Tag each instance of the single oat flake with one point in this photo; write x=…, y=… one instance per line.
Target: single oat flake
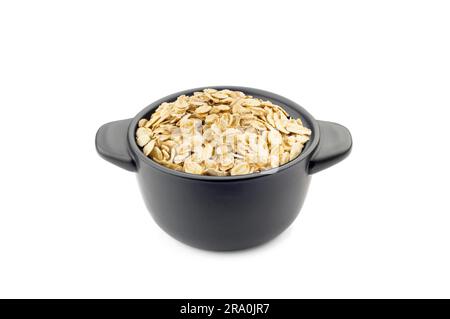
x=221, y=133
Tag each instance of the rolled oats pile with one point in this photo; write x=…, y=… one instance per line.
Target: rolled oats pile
x=221, y=133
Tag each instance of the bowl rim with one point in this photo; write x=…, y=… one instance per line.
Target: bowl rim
x=311, y=145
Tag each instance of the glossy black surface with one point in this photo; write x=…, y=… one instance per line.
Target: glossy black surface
x=111, y=144
x=335, y=145
x=225, y=213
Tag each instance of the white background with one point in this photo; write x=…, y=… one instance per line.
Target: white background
x=375, y=225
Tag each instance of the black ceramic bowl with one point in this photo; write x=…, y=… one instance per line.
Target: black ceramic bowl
x=231, y=212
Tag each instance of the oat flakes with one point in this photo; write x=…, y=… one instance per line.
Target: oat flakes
x=221, y=133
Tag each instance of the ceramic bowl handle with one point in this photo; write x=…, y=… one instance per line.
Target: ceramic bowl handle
x=112, y=144
x=335, y=144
